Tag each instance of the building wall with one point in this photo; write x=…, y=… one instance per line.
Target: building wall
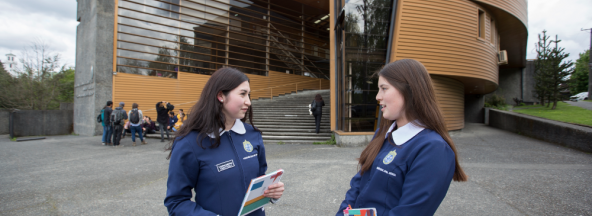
x=474, y=112
x=451, y=99
x=510, y=85
x=528, y=83
x=185, y=91
x=444, y=36
x=94, y=60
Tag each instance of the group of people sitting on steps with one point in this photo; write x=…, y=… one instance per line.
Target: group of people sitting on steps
x=117, y=122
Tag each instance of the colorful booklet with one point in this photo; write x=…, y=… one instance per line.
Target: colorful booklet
x=359, y=212
x=254, y=198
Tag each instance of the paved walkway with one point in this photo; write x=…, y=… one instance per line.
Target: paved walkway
x=583, y=104
x=71, y=175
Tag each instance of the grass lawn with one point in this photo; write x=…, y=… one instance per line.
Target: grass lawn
x=564, y=112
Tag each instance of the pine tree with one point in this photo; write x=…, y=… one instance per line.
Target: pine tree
x=541, y=64
x=551, y=69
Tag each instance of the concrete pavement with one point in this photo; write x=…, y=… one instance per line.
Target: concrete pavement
x=69, y=175
x=583, y=104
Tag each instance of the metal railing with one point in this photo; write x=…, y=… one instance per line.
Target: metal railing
x=296, y=87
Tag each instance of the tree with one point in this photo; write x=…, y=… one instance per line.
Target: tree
x=7, y=100
x=40, y=84
x=551, y=69
x=579, y=79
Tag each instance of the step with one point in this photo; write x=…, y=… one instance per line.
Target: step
x=308, y=142
x=311, y=130
x=283, y=133
x=261, y=127
x=292, y=122
x=265, y=137
x=290, y=125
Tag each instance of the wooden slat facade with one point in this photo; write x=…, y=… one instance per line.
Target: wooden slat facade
x=184, y=91
x=450, y=95
x=444, y=36
x=518, y=8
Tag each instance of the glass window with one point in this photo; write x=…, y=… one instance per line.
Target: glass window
x=160, y=37
x=362, y=43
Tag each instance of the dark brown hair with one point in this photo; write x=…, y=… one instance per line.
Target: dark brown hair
x=412, y=80
x=318, y=98
x=135, y=105
x=206, y=115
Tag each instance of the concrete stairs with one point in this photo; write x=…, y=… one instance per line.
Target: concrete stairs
x=285, y=119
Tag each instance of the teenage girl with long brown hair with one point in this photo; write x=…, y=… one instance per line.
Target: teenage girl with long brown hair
x=216, y=153
x=407, y=167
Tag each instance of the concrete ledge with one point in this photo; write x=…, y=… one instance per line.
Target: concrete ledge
x=564, y=134
x=355, y=139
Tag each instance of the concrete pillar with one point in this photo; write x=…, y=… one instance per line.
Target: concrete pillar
x=93, y=84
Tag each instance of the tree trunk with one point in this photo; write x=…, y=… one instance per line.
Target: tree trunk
x=554, y=105
x=548, y=100
x=542, y=101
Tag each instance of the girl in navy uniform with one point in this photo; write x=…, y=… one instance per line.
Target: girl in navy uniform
x=215, y=153
x=407, y=167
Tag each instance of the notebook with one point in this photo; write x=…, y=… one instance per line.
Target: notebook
x=254, y=198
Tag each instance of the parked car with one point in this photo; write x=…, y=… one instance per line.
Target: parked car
x=579, y=96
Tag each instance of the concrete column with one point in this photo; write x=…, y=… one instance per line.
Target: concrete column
x=93, y=83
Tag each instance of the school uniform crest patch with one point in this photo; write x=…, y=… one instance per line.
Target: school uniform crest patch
x=390, y=157
x=248, y=146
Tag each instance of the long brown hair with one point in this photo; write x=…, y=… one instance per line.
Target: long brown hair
x=412, y=80
x=206, y=115
x=318, y=98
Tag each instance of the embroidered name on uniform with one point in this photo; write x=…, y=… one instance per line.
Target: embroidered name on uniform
x=387, y=172
x=250, y=156
x=225, y=165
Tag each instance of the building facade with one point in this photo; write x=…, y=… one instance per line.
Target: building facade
x=145, y=51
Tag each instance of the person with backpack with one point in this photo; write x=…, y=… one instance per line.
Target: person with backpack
x=135, y=119
x=316, y=107
x=118, y=117
x=162, y=110
x=106, y=122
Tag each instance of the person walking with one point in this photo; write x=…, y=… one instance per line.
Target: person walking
x=215, y=153
x=118, y=117
x=316, y=107
x=407, y=167
x=106, y=121
x=162, y=111
x=135, y=119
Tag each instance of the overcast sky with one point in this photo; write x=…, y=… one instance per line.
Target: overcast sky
x=54, y=22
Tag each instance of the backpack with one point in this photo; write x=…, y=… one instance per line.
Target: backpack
x=117, y=117
x=313, y=106
x=135, y=117
x=100, y=116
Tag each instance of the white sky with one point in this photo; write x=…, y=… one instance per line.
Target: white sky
x=54, y=22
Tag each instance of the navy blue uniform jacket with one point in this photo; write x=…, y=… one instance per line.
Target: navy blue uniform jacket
x=219, y=176
x=412, y=180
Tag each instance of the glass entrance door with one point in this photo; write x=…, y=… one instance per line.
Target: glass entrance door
x=362, y=34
